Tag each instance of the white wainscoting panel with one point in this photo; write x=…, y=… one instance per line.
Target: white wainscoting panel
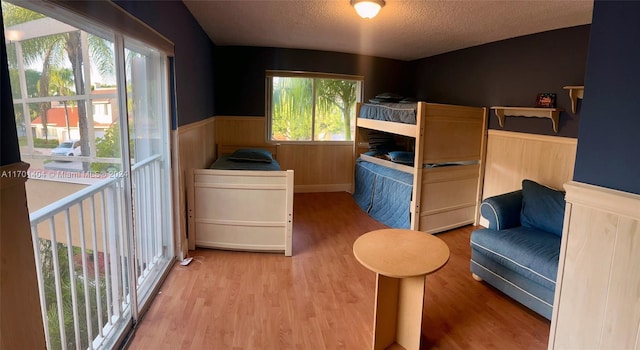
x=514, y=156
x=597, y=300
x=196, y=150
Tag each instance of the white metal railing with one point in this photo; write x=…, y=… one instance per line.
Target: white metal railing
x=147, y=195
x=83, y=257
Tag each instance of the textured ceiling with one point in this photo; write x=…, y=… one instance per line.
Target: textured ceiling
x=404, y=29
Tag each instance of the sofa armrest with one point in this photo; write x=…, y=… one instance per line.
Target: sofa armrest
x=502, y=211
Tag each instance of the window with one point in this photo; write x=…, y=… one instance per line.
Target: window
x=311, y=106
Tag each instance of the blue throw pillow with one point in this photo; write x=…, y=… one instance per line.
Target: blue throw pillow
x=542, y=207
x=251, y=155
x=402, y=157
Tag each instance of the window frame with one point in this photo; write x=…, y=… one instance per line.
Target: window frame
x=270, y=74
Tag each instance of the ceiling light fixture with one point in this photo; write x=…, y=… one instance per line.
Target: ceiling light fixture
x=367, y=8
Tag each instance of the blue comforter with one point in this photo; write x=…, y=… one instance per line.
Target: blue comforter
x=392, y=112
x=384, y=193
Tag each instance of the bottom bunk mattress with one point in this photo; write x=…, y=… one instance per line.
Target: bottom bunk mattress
x=384, y=193
x=224, y=163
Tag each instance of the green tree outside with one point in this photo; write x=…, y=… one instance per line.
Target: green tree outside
x=298, y=115
x=336, y=102
x=50, y=50
x=72, y=282
x=108, y=146
x=292, y=109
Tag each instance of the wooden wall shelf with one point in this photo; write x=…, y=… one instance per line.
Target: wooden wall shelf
x=551, y=113
x=575, y=93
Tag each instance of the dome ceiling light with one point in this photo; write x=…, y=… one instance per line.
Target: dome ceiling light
x=367, y=8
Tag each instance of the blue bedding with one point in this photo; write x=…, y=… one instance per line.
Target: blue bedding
x=223, y=163
x=392, y=112
x=384, y=193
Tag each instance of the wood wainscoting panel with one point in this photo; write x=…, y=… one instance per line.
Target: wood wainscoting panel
x=196, y=150
x=597, y=300
x=513, y=156
x=622, y=319
x=240, y=130
x=319, y=167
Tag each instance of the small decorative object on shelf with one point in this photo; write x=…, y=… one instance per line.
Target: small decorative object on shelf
x=550, y=113
x=546, y=100
x=575, y=92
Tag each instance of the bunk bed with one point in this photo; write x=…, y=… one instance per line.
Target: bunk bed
x=434, y=183
x=242, y=202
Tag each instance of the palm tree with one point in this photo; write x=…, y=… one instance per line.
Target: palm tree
x=50, y=49
x=60, y=82
x=33, y=50
x=341, y=94
x=292, y=108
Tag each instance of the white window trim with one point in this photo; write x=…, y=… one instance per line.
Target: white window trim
x=90, y=15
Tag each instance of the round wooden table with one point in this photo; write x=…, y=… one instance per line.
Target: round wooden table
x=401, y=259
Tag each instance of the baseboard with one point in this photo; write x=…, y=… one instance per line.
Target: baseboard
x=323, y=188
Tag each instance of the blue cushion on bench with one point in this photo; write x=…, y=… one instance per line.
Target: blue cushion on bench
x=542, y=207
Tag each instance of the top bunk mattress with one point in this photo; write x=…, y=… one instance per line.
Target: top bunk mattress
x=224, y=163
x=391, y=112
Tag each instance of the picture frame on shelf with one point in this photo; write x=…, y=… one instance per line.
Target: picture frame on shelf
x=546, y=100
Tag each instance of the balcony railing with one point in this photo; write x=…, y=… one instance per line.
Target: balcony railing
x=83, y=257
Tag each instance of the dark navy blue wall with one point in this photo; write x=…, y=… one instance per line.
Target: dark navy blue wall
x=194, y=55
x=510, y=73
x=609, y=141
x=240, y=74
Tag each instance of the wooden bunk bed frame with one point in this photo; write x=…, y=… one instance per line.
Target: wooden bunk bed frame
x=240, y=209
x=443, y=197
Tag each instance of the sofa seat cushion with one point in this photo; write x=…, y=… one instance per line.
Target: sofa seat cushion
x=529, y=252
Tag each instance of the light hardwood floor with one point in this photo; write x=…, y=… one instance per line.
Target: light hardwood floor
x=322, y=298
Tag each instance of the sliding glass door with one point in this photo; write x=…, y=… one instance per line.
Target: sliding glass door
x=93, y=122
x=147, y=111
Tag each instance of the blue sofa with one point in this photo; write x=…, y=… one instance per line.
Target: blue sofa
x=518, y=252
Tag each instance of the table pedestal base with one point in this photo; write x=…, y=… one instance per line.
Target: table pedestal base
x=398, y=312
x=401, y=259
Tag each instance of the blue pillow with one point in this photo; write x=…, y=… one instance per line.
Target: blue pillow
x=251, y=155
x=542, y=207
x=402, y=157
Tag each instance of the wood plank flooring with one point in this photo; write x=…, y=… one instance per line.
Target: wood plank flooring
x=322, y=298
